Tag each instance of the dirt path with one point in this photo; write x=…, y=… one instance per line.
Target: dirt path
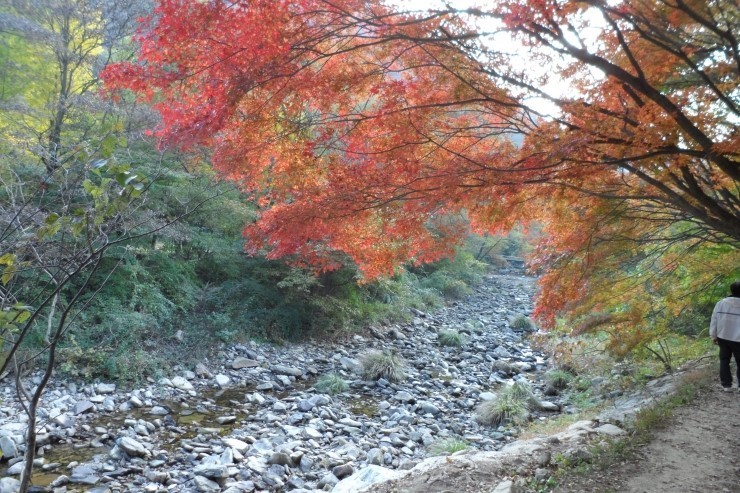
x=697, y=451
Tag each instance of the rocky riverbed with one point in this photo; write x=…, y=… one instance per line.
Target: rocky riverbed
x=251, y=420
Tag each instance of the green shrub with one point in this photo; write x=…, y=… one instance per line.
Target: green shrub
x=383, y=364
x=331, y=384
x=504, y=409
x=452, y=338
x=559, y=379
x=522, y=323
x=448, y=446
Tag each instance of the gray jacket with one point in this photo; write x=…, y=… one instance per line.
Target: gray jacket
x=725, y=322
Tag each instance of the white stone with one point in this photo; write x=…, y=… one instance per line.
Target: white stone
x=236, y=444
x=365, y=479
x=222, y=380
x=182, y=383
x=611, y=430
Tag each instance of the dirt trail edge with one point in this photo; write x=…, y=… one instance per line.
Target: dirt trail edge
x=696, y=450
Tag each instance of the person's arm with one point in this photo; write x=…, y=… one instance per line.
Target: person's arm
x=713, y=323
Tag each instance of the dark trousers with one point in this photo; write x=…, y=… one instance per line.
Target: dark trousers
x=728, y=349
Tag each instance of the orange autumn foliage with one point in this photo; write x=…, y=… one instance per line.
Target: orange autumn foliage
x=358, y=129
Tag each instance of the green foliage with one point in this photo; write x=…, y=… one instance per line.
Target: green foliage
x=331, y=384
x=448, y=337
x=448, y=446
x=558, y=378
x=383, y=364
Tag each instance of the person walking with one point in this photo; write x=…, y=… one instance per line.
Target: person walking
x=724, y=329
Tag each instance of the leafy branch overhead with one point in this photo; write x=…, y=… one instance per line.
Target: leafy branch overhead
x=360, y=129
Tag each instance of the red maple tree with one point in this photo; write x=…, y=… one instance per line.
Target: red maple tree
x=360, y=129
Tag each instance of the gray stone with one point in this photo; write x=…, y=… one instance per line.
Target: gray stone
x=487, y=396
x=64, y=420
x=364, y=479
x=501, y=352
x=541, y=474
x=610, y=430
x=311, y=433
x=506, y=486
x=205, y=485
x=375, y=457
x=202, y=371
x=241, y=362
x=305, y=405
x=8, y=448
x=181, y=383
x=404, y=396
x=280, y=458
x=84, y=474
x=236, y=444
x=213, y=471
x=105, y=388
x=286, y=370
x=425, y=407
x=16, y=469
x=549, y=406
x=226, y=420
x=159, y=411
x=222, y=380
x=343, y=471
x=542, y=458
x=83, y=407
x=132, y=447
x=10, y=485
x=328, y=480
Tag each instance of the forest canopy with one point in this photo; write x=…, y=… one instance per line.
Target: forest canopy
x=366, y=131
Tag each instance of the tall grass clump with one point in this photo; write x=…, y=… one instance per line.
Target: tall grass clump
x=452, y=338
x=383, y=364
x=331, y=384
x=504, y=409
x=511, y=405
x=560, y=379
x=523, y=392
x=448, y=446
x=522, y=323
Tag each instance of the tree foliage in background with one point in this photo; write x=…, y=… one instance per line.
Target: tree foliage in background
x=360, y=129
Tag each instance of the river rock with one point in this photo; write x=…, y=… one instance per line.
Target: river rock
x=181, y=383
x=242, y=362
x=105, y=388
x=343, y=471
x=222, y=380
x=549, y=406
x=236, y=444
x=286, y=370
x=160, y=411
x=132, y=447
x=425, y=407
x=9, y=485
x=610, y=430
x=205, y=485
x=16, y=469
x=506, y=486
x=364, y=479
x=8, y=447
x=83, y=407
x=84, y=475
